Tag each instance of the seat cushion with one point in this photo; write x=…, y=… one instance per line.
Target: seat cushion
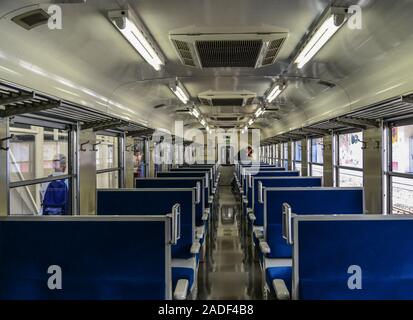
x=182, y=273
x=284, y=273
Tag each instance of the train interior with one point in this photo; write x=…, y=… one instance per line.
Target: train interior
x=206, y=150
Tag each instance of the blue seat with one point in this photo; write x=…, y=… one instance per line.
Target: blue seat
x=179, y=273
x=283, y=273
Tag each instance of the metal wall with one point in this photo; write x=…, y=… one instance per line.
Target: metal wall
x=129, y=163
x=4, y=172
x=87, y=172
x=328, y=161
x=373, y=170
x=304, y=158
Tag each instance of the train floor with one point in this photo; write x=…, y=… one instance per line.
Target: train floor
x=228, y=273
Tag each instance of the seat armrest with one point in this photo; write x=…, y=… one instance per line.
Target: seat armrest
x=205, y=216
x=181, y=289
x=210, y=199
x=196, y=247
x=258, y=234
x=264, y=247
x=281, y=291
x=252, y=217
x=200, y=232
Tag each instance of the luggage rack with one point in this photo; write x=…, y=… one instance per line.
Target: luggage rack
x=19, y=101
x=395, y=109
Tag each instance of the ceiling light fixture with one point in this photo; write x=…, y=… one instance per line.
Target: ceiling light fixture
x=334, y=20
x=179, y=90
x=275, y=91
x=134, y=31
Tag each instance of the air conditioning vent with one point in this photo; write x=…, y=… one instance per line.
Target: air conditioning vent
x=241, y=53
x=223, y=50
x=221, y=102
x=227, y=99
x=272, y=51
x=32, y=19
x=232, y=119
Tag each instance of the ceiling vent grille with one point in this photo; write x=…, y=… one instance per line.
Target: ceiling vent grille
x=238, y=53
x=31, y=19
x=221, y=102
x=222, y=119
x=272, y=52
x=227, y=99
x=226, y=50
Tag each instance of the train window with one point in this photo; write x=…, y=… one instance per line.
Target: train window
x=33, y=151
x=297, y=156
x=316, y=157
x=139, y=159
x=38, y=156
x=107, y=154
x=285, y=154
x=401, y=175
x=107, y=162
x=40, y=199
x=350, y=160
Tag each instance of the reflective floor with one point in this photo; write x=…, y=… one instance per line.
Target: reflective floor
x=229, y=275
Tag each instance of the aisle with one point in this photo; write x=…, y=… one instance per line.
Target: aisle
x=228, y=278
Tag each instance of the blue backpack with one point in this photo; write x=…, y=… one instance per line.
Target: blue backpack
x=55, y=200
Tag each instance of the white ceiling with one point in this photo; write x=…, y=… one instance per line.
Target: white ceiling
x=89, y=62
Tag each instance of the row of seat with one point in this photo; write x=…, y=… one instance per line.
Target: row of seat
x=145, y=243
x=316, y=243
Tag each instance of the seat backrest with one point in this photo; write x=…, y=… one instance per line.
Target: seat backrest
x=277, y=182
x=194, y=174
x=96, y=258
x=353, y=257
x=264, y=173
x=304, y=201
x=170, y=183
x=152, y=201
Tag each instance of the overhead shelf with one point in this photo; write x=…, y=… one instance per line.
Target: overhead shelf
x=387, y=111
x=19, y=101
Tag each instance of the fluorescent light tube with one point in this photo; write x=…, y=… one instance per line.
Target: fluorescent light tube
x=138, y=40
x=179, y=92
x=259, y=112
x=318, y=40
x=275, y=92
x=195, y=113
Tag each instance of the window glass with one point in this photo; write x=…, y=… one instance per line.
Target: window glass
x=317, y=150
x=350, y=150
x=50, y=198
x=37, y=152
x=139, y=158
x=298, y=167
x=317, y=170
x=107, y=154
x=350, y=178
x=297, y=150
x=402, y=195
x=108, y=180
x=402, y=149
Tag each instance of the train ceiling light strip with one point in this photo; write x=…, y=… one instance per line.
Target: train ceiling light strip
x=179, y=90
x=328, y=28
x=135, y=34
x=275, y=91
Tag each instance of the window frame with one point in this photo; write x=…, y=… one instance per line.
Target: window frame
x=72, y=163
x=389, y=173
x=120, y=154
x=311, y=163
x=336, y=164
